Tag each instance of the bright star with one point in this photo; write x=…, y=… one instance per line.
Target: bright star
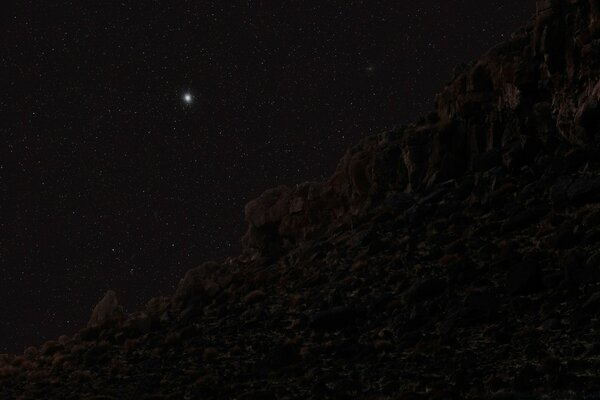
x=188, y=98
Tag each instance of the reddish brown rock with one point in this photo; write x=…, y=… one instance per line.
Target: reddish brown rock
x=254, y=297
x=106, y=309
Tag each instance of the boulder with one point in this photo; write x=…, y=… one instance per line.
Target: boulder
x=105, y=310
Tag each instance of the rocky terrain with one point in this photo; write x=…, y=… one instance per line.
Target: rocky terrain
x=454, y=258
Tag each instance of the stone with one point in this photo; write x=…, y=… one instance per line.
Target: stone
x=96, y=354
x=89, y=333
x=486, y=161
x=138, y=324
x=426, y=289
x=524, y=278
x=254, y=297
x=211, y=288
x=192, y=287
x=592, y=304
x=333, y=319
x=526, y=378
x=383, y=346
x=480, y=304
x=50, y=347
x=282, y=355
x=210, y=354
x=559, y=191
x=585, y=189
x=258, y=395
x=522, y=219
x=31, y=352
x=106, y=309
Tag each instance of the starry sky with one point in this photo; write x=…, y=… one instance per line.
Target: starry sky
x=133, y=133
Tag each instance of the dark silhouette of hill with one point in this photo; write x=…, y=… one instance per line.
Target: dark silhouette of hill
x=456, y=257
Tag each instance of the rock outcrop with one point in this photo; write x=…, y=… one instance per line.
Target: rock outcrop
x=106, y=309
x=454, y=258
x=537, y=92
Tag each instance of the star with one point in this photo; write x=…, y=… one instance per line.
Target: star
x=188, y=98
x=370, y=69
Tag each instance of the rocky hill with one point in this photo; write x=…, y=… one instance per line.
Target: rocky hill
x=454, y=258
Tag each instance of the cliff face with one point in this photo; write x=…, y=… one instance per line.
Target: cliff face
x=536, y=93
x=456, y=257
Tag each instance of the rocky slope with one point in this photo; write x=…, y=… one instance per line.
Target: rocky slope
x=457, y=257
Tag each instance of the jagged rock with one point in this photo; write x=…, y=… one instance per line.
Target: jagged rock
x=106, y=309
x=333, y=319
x=254, y=296
x=487, y=160
x=524, y=278
x=89, y=333
x=522, y=219
x=50, y=348
x=426, y=289
x=584, y=189
x=30, y=352
x=258, y=395
x=136, y=325
x=195, y=285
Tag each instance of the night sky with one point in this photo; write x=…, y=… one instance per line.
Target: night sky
x=111, y=177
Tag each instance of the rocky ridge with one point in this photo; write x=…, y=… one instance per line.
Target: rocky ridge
x=456, y=257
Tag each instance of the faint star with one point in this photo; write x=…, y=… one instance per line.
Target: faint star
x=370, y=70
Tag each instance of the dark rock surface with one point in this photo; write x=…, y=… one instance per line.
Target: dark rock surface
x=457, y=257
